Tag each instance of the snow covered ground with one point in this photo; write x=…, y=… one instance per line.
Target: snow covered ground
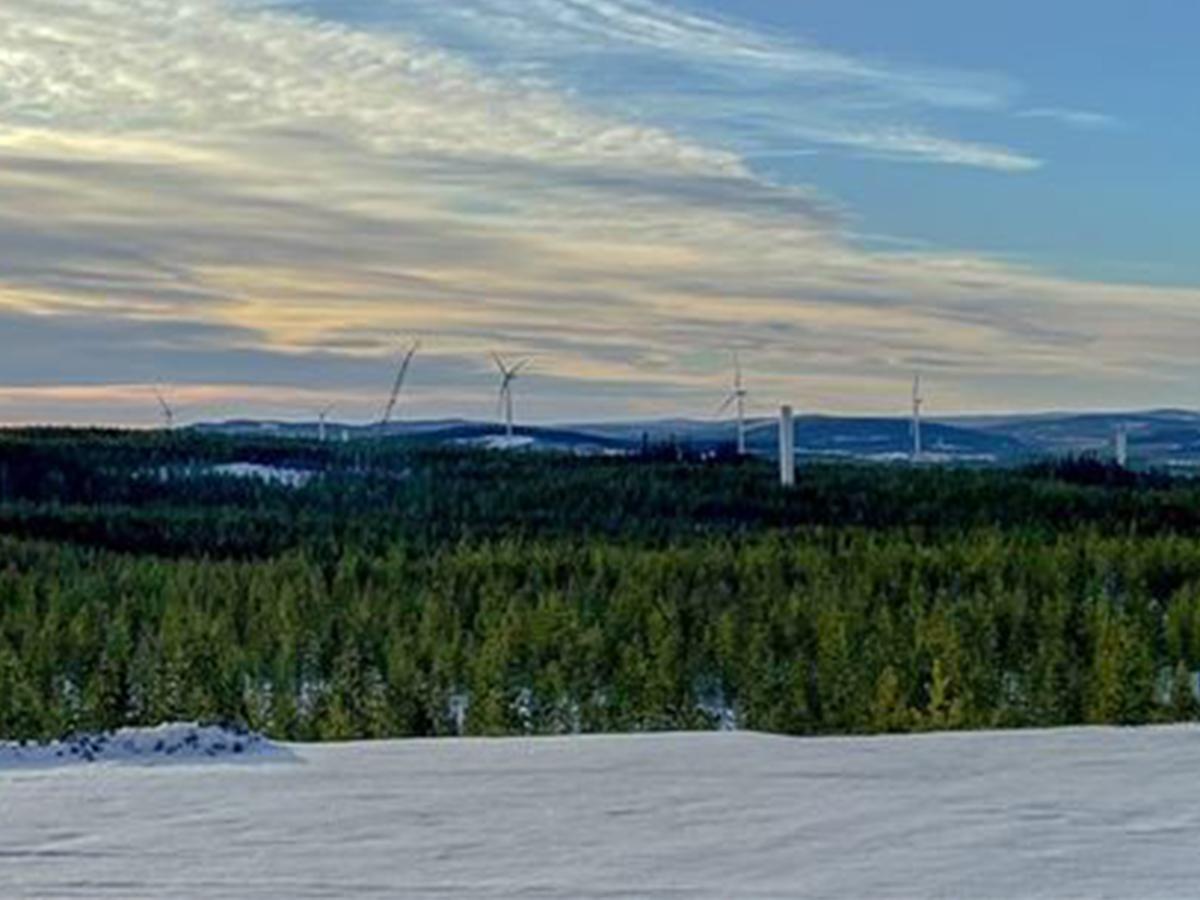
x=1072, y=814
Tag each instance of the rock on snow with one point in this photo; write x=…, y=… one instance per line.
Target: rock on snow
x=139, y=745
x=1077, y=813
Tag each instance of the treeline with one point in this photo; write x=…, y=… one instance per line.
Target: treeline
x=160, y=494
x=808, y=631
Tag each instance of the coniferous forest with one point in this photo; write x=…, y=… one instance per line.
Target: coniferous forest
x=395, y=589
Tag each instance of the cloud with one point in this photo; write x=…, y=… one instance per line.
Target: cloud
x=564, y=28
x=914, y=145
x=253, y=203
x=1076, y=118
x=691, y=69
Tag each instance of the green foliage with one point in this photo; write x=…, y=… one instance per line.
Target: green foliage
x=407, y=591
x=889, y=711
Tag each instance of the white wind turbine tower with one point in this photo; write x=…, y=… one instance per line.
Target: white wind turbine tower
x=737, y=397
x=918, y=406
x=508, y=375
x=398, y=386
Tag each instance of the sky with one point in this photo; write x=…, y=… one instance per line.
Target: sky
x=253, y=205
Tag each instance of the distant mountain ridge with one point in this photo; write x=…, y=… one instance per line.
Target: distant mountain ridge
x=1167, y=437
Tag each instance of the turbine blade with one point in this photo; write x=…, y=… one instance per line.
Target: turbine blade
x=168, y=411
x=729, y=401
x=401, y=377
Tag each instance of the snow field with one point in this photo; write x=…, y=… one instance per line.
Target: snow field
x=1071, y=814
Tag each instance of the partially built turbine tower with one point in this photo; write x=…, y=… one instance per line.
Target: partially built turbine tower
x=787, y=447
x=918, y=408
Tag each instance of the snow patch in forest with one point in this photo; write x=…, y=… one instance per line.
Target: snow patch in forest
x=500, y=442
x=276, y=475
x=166, y=743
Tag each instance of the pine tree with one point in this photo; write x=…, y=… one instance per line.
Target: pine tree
x=22, y=715
x=890, y=712
x=1185, y=706
x=837, y=680
x=944, y=711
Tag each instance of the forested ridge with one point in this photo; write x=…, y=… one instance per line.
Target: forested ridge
x=407, y=590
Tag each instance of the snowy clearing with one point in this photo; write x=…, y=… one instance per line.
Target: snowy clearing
x=1072, y=814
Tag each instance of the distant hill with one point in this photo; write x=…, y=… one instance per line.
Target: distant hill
x=1169, y=438
x=443, y=431
x=836, y=437
x=844, y=438
x=1156, y=438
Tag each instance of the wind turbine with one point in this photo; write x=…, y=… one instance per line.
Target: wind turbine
x=405, y=365
x=918, y=406
x=508, y=375
x=323, y=421
x=737, y=397
x=167, y=411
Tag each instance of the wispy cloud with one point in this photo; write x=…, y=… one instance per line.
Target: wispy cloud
x=219, y=193
x=1076, y=118
x=686, y=69
x=563, y=29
